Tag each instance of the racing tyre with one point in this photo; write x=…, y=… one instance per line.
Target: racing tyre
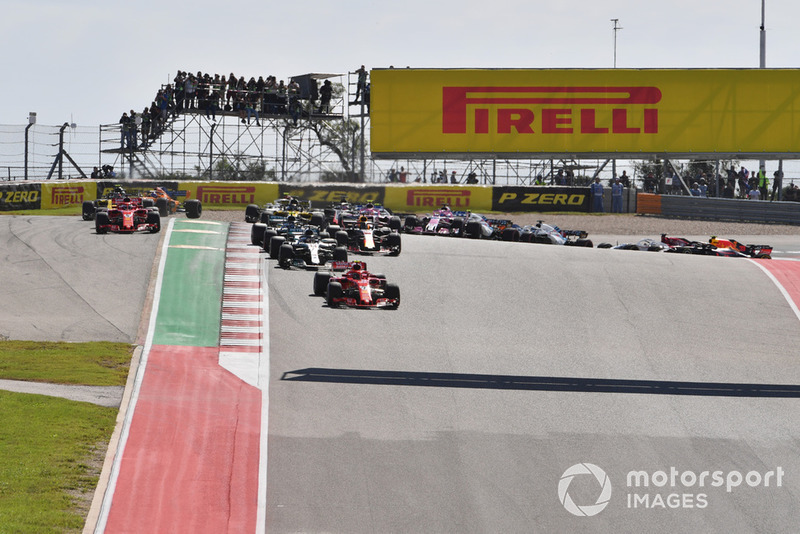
x=473, y=230
x=252, y=213
x=392, y=291
x=264, y=217
x=457, y=226
x=321, y=283
x=257, y=233
x=510, y=234
x=285, y=255
x=393, y=242
x=275, y=246
x=334, y=291
x=605, y=245
x=526, y=236
x=163, y=207
x=193, y=208
x=584, y=243
x=341, y=238
x=395, y=224
x=88, y=210
x=340, y=254
x=269, y=233
x=101, y=219
x=410, y=223
x=148, y=202
x=154, y=220
x=317, y=219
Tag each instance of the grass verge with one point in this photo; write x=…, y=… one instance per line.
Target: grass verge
x=51, y=454
x=52, y=449
x=87, y=364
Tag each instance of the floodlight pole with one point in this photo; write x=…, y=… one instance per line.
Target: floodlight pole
x=763, y=48
x=616, y=28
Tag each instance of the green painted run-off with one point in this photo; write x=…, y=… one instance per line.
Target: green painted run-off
x=190, y=304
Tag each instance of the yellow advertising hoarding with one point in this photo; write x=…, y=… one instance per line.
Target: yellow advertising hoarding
x=60, y=194
x=438, y=112
x=426, y=198
x=230, y=193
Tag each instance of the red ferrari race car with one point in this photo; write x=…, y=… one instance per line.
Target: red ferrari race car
x=356, y=287
x=127, y=218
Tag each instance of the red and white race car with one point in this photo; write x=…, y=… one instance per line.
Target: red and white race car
x=127, y=217
x=355, y=287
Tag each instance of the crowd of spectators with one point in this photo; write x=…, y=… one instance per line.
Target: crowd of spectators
x=249, y=100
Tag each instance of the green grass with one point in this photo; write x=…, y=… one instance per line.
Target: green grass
x=51, y=453
x=52, y=449
x=88, y=364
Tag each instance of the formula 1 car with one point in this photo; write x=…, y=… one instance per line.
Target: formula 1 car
x=110, y=200
x=345, y=214
x=553, y=235
x=717, y=247
x=647, y=244
x=308, y=250
x=362, y=236
x=751, y=251
x=278, y=212
x=356, y=287
x=167, y=205
x=443, y=221
x=127, y=218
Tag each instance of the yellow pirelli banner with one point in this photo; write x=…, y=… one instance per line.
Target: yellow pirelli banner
x=63, y=193
x=230, y=193
x=431, y=197
x=438, y=112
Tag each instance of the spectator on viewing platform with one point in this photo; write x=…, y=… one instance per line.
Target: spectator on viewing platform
x=472, y=178
x=189, y=89
x=392, y=176
x=703, y=188
x=124, y=124
x=361, y=84
x=96, y=174
x=136, y=126
x=145, y=124
x=453, y=178
x=695, y=190
x=402, y=176
x=597, y=196
x=754, y=194
x=616, y=196
x=325, y=94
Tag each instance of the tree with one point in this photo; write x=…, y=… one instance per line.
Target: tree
x=343, y=138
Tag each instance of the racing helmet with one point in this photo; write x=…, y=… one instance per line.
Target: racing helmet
x=309, y=232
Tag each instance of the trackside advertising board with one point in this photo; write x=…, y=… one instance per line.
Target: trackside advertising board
x=527, y=112
x=20, y=197
x=429, y=198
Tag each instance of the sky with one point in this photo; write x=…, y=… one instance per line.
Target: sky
x=87, y=61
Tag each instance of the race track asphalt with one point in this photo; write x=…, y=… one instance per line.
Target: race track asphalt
x=505, y=365
x=63, y=282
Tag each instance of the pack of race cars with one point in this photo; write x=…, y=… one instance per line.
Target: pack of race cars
x=323, y=241
x=124, y=213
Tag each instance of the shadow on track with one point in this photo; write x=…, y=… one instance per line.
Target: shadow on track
x=540, y=383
